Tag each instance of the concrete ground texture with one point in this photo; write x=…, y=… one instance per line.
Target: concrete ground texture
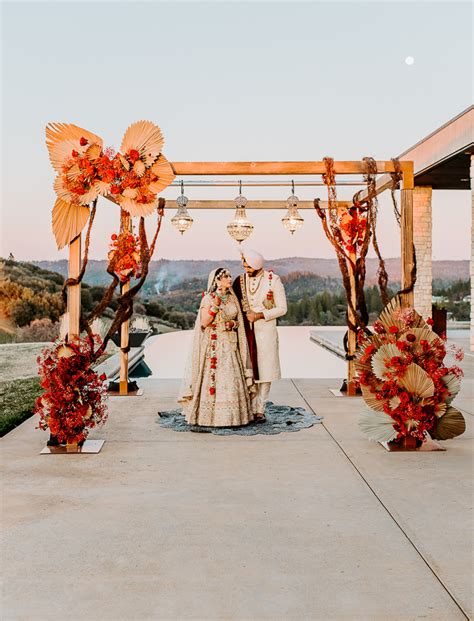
x=317, y=524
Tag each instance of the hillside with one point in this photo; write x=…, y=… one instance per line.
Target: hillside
x=166, y=275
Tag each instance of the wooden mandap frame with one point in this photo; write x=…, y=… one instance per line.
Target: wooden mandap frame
x=292, y=169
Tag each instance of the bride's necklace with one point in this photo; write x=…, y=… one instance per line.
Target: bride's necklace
x=223, y=296
x=254, y=283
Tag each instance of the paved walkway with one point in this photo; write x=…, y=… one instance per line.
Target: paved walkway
x=318, y=524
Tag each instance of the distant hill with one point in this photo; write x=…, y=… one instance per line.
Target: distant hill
x=167, y=275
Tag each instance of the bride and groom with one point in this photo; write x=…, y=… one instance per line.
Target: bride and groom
x=234, y=355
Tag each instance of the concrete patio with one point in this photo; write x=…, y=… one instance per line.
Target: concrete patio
x=318, y=524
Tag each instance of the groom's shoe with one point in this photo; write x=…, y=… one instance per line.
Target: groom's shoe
x=260, y=418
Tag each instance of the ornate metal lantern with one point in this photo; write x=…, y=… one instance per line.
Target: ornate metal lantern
x=292, y=221
x=240, y=227
x=182, y=220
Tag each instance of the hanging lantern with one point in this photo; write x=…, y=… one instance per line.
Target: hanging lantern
x=292, y=221
x=240, y=227
x=182, y=220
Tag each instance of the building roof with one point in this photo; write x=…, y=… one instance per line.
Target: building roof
x=442, y=159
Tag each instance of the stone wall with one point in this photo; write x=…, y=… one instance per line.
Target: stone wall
x=422, y=237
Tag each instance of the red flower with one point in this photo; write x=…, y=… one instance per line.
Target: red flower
x=115, y=189
x=430, y=321
x=411, y=338
x=393, y=330
x=212, y=390
x=74, y=153
x=133, y=155
x=83, y=141
x=114, y=236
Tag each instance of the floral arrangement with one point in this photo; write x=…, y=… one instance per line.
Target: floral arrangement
x=353, y=226
x=124, y=255
x=74, y=401
x=86, y=170
x=404, y=380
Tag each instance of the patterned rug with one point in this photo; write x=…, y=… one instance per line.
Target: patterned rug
x=280, y=418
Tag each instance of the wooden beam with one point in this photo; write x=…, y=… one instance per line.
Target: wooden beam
x=276, y=168
x=213, y=204
x=74, y=291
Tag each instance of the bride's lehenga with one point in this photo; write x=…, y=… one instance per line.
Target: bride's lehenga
x=220, y=396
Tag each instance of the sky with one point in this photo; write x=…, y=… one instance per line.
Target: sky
x=231, y=81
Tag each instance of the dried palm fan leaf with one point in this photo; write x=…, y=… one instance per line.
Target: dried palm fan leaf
x=139, y=168
x=136, y=209
x=146, y=138
x=124, y=161
x=130, y=193
x=68, y=221
x=371, y=400
x=453, y=384
x=394, y=403
x=93, y=152
x=73, y=172
x=62, y=192
x=103, y=188
x=417, y=381
x=62, y=138
x=377, y=426
x=391, y=315
x=450, y=425
x=385, y=352
x=440, y=409
x=89, y=196
x=165, y=173
x=423, y=333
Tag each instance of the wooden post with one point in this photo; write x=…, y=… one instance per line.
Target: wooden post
x=407, y=234
x=352, y=336
x=74, y=291
x=125, y=225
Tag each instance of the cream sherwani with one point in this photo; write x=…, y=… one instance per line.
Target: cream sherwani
x=266, y=334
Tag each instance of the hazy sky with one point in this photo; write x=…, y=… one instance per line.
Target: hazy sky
x=231, y=81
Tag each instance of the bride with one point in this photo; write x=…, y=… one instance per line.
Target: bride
x=218, y=382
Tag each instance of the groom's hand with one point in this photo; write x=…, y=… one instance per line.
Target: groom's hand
x=253, y=317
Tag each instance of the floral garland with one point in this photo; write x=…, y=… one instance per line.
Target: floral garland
x=404, y=379
x=74, y=401
x=353, y=226
x=124, y=255
x=269, y=302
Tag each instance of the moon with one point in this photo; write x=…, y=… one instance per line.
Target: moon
x=409, y=60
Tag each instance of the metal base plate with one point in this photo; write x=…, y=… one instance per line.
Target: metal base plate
x=428, y=445
x=89, y=446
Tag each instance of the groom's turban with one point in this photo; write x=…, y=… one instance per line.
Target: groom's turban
x=254, y=259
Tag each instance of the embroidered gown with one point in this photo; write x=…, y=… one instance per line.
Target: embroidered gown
x=220, y=397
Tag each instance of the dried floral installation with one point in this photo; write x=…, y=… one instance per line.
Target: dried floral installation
x=85, y=171
x=404, y=380
x=74, y=401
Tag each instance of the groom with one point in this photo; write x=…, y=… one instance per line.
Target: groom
x=263, y=300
